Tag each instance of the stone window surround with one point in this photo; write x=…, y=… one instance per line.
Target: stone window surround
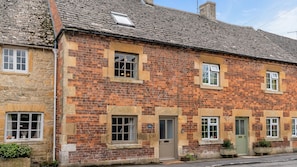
x=123, y=111
x=126, y=48
x=29, y=60
x=37, y=108
x=210, y=59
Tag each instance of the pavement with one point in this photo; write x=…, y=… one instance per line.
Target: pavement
x=241, y=160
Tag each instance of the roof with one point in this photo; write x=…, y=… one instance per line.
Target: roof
x=25, y=22
x=288, y=44
x=160, y=24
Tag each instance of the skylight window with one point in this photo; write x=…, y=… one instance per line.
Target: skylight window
x=122, y=19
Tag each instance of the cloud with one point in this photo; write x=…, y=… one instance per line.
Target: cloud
x=284, y=23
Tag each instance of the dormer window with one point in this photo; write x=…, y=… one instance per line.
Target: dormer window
x=122, y=19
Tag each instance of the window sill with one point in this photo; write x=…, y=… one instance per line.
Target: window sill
x=22, y=140
x=14, y=73
x=211, y=87
x=294, y=138
x=273, y=139
x=123, y=146
x=207, y=142
x=273, y=92
x=126, y=80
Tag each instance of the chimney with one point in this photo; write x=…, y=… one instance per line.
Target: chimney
x=149, y=2
x=208, y=10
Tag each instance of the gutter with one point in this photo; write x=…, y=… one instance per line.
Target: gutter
x=28, y=46
x=55, y=99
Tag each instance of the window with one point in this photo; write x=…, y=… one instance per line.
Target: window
x=122, y=19
x=124, y=129
x=294, y=127
x=272, y=127
x=125, y=65
x=272, y=81
x=15, y=60
x=23, y=126
x=210, y=128
x=210, y=74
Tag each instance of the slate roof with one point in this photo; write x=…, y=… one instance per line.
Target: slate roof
x=160, y=24
x=288, y=44
x=25, y=22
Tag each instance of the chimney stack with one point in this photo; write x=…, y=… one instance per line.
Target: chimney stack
x=208, y=10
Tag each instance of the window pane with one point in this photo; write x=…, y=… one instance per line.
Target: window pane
x=213, y=78
x=268, y=80
x=205, y=73
x=237, y=127
x=35, y=134
x=24, y=117
x=274, y=84
x=242, y=127
x=162, y=129
x=169, y=129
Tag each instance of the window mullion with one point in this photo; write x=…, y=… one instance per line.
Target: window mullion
x=18, y=125
x=14, y=60
x=29, y=128
x=208, y=128
x=208, y=72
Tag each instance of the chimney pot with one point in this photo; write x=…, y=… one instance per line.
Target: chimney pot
x=208, y=10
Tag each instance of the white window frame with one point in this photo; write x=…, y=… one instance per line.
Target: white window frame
x=212, y=69
x=14, y=60
x=17, y=136
x=131, y=131
x=209, y=124
x=269, y=127
x=273, y=76
x=294, y=127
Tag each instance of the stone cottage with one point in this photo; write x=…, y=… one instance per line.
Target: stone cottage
x=140, y=83
x=27, y=77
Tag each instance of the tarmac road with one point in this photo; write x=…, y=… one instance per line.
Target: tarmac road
x=276, y=160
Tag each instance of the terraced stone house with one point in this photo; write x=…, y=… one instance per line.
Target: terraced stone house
x=27, y=77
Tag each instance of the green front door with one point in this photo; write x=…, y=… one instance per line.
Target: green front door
x=241, y=135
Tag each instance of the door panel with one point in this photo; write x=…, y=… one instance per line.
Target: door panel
x=167, y=138
x=241, y=131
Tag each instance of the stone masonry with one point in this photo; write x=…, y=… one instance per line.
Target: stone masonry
x=31, y=92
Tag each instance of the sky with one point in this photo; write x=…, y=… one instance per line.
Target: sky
x=275, y=16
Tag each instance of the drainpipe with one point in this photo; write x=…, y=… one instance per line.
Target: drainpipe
x=55, y=99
